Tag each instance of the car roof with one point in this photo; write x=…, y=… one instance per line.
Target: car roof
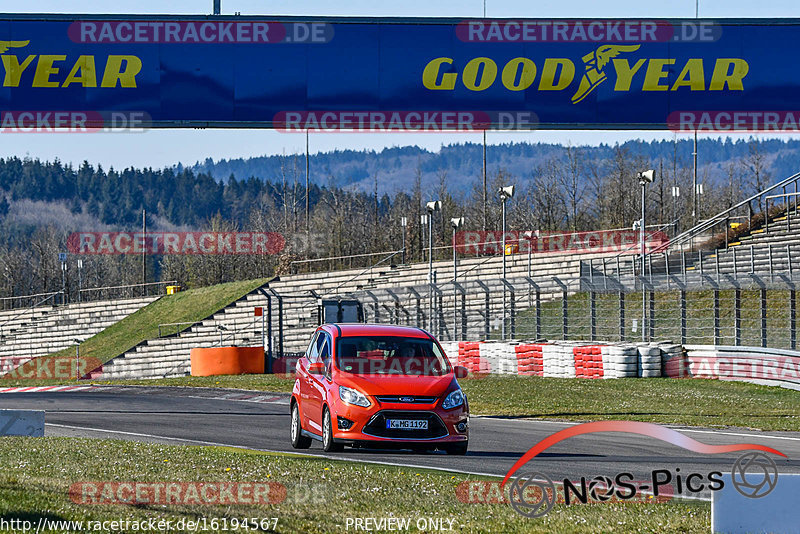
x=358, y=329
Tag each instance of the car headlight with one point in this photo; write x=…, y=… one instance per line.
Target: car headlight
x=351, y=396
x=455, y=398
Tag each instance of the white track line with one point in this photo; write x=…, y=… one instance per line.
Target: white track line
x=673, y=427
x=311, y=455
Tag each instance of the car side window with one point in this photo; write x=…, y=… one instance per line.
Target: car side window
x=311, y=351
x=325, y=355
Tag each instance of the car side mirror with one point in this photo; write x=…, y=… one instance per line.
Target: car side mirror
x=461, y=371
x=316, y=368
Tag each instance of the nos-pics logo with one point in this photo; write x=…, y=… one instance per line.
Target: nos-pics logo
x=533, y=494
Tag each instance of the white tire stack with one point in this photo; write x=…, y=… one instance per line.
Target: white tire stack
x=649, y=364
x=620, y=361
x=507, y=359
x=558, y=361
x=490, y=352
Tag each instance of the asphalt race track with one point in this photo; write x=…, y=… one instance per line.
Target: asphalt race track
x=198, y=416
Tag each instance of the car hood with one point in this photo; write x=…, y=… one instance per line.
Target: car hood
x=397, y=384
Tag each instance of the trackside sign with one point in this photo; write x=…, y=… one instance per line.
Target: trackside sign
x=331, y=73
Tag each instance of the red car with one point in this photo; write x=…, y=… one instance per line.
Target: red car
x=378, y=385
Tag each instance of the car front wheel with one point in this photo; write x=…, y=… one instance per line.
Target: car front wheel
x=328, y=445
x=299, y=441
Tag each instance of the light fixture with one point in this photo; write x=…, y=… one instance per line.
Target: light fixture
x=646, y=177
x=434, y=205
x=506, y=192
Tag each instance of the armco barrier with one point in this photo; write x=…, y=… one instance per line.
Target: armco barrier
x=628, y=360
x=751, y=364
x=227, y=361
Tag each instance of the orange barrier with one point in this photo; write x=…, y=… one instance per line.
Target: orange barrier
x=227, y=361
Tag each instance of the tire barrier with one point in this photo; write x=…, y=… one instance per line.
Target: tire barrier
x=570, y=359
x=530, y=360
x=589, y=362
x=469, y=356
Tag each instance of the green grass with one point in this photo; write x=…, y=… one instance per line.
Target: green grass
x=321, y=493
x=699, y=317
x=184, y=307
x=693, y=402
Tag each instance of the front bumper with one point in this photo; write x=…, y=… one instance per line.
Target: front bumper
x=369, y=424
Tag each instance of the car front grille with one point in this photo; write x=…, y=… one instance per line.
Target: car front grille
x=406, y=399
x=377, y=425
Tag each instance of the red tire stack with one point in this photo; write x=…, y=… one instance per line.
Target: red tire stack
x=588, y=361
x=529, y=359
x=469, y=355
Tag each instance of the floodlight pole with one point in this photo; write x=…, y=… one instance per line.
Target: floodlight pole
x=403, y=223
x=430, y=270
x=503, y=328
x=455, y=282
x=80, y=279
x=430, y=247
x=484, y=181
x=641, y=239
x=144, y=252
x=308, y=220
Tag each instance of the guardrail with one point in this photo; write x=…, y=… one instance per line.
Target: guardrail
x=8, y=302
x=27, y=310
x=773, y=367
x=124, y=291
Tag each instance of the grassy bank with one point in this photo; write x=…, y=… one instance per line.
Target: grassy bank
x=184, y=307
x=320, y=494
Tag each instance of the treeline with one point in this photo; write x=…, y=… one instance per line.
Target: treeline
x=41, y=203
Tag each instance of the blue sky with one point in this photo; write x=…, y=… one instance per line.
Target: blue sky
x=166, y=147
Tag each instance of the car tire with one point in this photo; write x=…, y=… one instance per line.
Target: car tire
x=457, y=449
x=299, y=441
x=328, y=444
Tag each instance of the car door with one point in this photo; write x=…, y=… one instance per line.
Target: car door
x=303, y=377
x=318, y=383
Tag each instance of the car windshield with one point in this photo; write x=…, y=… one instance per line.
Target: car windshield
x=390, y=356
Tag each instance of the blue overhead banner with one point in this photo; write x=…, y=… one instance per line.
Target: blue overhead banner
x=400, y=74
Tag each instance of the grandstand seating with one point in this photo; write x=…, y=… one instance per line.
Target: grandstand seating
x=32, y=332
x=169, y=356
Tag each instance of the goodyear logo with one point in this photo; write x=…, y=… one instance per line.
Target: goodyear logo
x=54, y=70
x=616, y=62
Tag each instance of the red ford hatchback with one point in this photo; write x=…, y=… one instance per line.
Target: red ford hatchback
x=378, y=385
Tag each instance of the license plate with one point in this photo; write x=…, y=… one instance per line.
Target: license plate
x=406, y=424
